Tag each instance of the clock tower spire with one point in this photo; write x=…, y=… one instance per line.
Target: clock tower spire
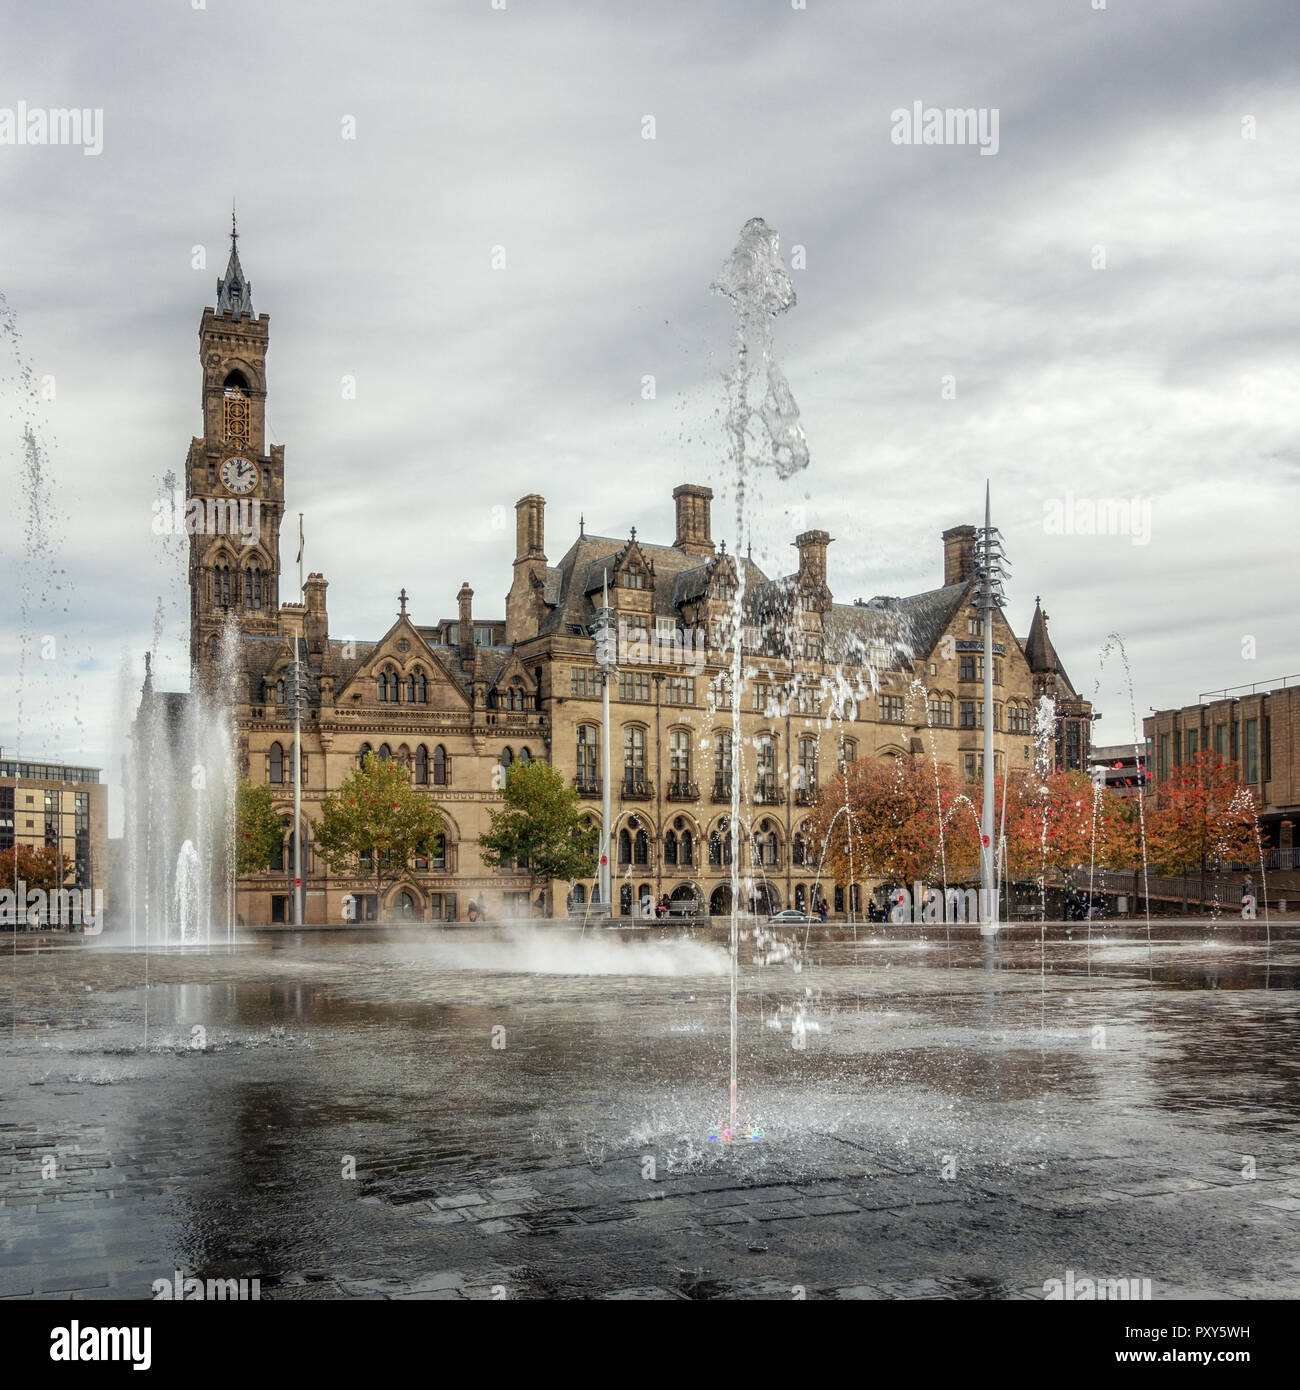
x=234, y=485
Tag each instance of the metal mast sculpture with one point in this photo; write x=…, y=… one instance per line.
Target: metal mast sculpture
x=991, y=569
x=606, y=652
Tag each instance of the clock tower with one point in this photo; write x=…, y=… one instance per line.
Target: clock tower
x=234, y=486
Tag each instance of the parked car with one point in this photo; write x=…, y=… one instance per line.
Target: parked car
x=792, y=916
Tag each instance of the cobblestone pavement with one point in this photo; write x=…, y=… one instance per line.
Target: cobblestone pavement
x=420, y=1117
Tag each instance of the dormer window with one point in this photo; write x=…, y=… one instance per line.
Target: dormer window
x=633, y=578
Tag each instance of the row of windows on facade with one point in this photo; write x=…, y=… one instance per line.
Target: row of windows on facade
x=679, y=847
x=634, y=687
x=437, y=858
x=680, y=750
x=444, y=907
x=53, y=830
x=425, y=768
x=413, y=689
x=228, y=588
x=1248, y=742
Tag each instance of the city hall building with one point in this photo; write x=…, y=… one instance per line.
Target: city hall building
x=456, y=698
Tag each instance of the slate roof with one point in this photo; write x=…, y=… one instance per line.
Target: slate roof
x=579, y=574
x=1041, y=654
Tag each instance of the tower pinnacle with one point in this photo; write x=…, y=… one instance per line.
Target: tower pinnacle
x=234, y=293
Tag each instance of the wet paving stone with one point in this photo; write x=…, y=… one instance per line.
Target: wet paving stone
x=349, y=1131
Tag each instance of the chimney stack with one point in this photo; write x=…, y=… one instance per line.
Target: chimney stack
x=812, y=567
x=465, y=629
x=693, y=519
x=530, y=522
x=958, y=555
x=525, y=603
x=317, y=624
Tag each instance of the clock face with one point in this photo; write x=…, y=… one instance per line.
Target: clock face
x=239, y=475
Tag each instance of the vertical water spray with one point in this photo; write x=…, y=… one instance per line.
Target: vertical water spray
x=763, y=430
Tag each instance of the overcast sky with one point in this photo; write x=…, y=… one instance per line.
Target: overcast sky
x=1161, y=131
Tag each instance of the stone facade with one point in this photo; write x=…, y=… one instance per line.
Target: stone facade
x=458, y=698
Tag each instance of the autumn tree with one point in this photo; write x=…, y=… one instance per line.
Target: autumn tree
x=40, y=867
x=375, y=824
x=881, y=819
x=540, y=826
x=1058, y=824
x=259, y=831
x=1200, y=817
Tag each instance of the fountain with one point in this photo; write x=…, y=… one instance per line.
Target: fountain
x=178, y=782
x=763, y=430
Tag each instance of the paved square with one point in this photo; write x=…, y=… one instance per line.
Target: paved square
x=415, y=1116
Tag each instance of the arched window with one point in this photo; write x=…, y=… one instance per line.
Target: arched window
x=275, y=764
x=634, y=759
x=722, y=764
x=641, y=848
x=422, y=766
x=235, y=424
x=279, y=692
x=410, y=689
x=670, y=847
x=679, y=758
x=405, y=906
x=383, y=687
x=687, y=848
x=770, y=849
x=808, y=763
x=440, y=766
x=525, y=756
x=767, y=768
x=624, y=847
x=284, y=857
x=625, y=900
x=848, y=753
x=214, y=650
x=385, y=753
x=720, y=843
x=361, y=756
x=797, y=849
x=507, y=756
x=588, y=752
x=800, y=898
x=422, y=688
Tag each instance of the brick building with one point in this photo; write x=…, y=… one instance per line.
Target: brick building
x=1257, y=729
